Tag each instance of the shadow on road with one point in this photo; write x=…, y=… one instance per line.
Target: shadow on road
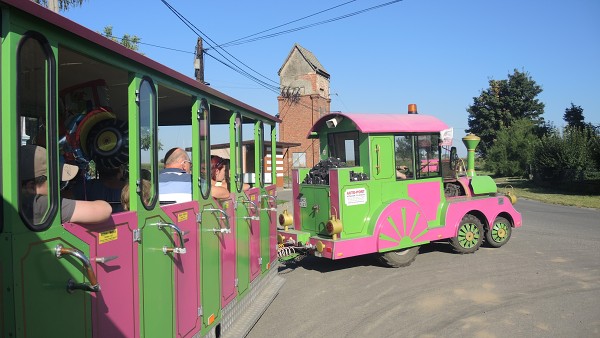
x=324, y=265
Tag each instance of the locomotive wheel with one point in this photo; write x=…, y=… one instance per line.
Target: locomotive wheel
x=469, y=236
x=499, y=234
x=398, y=258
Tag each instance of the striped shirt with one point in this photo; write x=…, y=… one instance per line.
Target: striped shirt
x=174, y=185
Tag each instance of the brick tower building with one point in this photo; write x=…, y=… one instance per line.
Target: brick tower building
x=303, y=100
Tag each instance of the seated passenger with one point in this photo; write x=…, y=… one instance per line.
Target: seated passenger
x=107, y=187
x=146, y=186
x=219, y=185
x=246, y=186
x=175, y=180
x=35, y=185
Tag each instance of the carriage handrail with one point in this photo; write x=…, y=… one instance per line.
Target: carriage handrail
x=93, y=285
x=177, y=250
x=256, y=210
x=270, y=197
x=227, y=229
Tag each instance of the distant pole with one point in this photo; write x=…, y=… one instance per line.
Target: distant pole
x=53, y=5
x=199, y=62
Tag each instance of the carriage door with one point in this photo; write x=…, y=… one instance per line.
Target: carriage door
x=158, y=241
x=39, y=302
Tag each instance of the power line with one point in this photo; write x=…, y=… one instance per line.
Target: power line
x=199, y=32
x=244, y=40
x=287, y=23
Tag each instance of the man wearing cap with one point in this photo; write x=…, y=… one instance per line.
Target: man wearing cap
x=175, y=180
x=33, y=169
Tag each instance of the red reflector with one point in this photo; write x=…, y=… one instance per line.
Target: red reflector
x=328, y=249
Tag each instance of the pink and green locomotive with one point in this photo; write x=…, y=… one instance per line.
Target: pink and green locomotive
x=388, y=184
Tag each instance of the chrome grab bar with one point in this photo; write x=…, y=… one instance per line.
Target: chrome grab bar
x=256, y=210
x=270, y=197
x=177, y=250
x=227, y=229
x=93, y=285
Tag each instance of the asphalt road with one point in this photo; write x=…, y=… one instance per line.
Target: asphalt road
x=545, y=282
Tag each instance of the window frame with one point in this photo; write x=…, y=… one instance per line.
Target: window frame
x=153, y=121
x=50, y=114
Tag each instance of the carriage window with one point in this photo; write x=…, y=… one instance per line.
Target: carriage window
x=260, y=149
x=345, y=147
x=404, y=155
x=204, y=125
x=148, y=142
x=428, y=155
x=239, y=167
x=268, y=157
x=37, y=161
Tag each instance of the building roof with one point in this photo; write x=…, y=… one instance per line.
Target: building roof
x=387, y=123
x=310, y=58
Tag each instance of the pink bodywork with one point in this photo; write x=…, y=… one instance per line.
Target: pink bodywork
x=421, y=208
x=115, y=309
x=187, y=275
x=387, y=123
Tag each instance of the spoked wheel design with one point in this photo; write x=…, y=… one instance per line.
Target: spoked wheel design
x=469, y=236
x=400, y=227
x=499, y=234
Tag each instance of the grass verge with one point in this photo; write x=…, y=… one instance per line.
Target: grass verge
x=585, y=194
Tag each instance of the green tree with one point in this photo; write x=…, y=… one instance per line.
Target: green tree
x=146, y=141
x=63, y=5
x=503, y=103
x=129, y=41
x=512, y=152
x=567, y=155
x=574, y=116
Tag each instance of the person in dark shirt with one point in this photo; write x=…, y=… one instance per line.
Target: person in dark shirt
x=33, y=171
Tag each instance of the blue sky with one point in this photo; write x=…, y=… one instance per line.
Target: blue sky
x=437, y=54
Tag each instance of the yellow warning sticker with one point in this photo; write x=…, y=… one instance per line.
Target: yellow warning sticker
x=108, y=236
x=182, y=216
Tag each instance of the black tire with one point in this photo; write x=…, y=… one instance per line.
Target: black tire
x=398, y=258
x=499, y=233
x=469, y=235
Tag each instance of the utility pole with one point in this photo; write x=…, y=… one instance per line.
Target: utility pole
x=199, y=62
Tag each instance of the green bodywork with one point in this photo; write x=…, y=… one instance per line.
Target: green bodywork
x=34, y=301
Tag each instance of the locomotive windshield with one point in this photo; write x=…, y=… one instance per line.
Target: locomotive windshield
x=417, y=156
x=345, y=147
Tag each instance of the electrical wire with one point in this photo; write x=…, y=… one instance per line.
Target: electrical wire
x=243, y=40
x=285, y=24
x=211, y=44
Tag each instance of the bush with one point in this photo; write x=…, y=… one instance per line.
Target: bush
x=512, y=151
x=567, y=156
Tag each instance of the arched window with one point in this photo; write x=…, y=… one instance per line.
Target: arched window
x=36, y=110
x=204, y=139
x=148, y=143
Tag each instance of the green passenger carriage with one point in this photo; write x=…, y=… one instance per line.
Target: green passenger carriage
x=200, y=268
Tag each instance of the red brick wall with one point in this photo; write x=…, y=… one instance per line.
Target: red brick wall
x=297, y=120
